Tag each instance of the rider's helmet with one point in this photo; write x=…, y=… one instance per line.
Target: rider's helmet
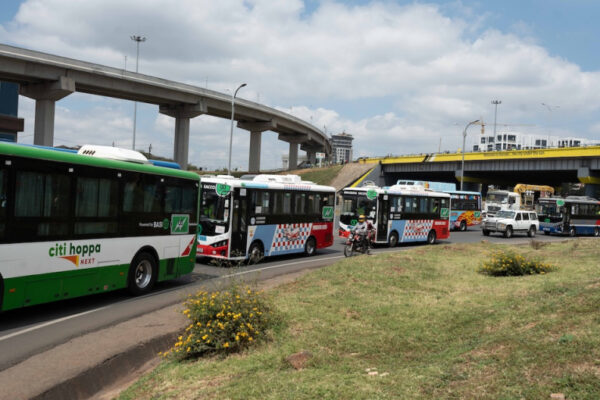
x=362, y=218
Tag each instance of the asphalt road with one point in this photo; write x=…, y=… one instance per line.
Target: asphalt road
x=29, y=331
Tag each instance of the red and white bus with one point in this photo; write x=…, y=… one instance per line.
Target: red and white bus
x=398, y=213
x=265, y=215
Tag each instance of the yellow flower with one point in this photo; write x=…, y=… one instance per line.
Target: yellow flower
x=226, y=344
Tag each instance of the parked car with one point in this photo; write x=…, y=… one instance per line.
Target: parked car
x=509, y=222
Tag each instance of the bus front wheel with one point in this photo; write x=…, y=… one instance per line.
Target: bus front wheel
x=142, y=274
x=572, y=232
x=463, y=226
x=255, y=254
x=596, y=232
x=393, y=241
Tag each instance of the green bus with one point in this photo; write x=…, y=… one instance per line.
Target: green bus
x=101, y=220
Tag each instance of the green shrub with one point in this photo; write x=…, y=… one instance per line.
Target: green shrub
x=508, y=263
x=223, y=321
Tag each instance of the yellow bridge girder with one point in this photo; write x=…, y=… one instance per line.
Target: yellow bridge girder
x=564, y=152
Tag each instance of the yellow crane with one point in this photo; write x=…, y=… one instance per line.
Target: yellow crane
x=531, y=193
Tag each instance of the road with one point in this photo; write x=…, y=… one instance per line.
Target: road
x=29, y=331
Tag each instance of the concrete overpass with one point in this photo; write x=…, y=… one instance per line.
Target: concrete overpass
x=48, y=78
x=541, y=166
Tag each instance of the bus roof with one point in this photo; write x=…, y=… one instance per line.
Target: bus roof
x=14, y=149
x=399, y=189
x=462, y=192
x=266, y=181
x=570, y=199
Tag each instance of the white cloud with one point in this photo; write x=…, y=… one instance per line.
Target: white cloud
x=398, y=78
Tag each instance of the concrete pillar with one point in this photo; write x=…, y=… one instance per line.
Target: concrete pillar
x=293, y=156
x=182, y=141
x=254, y=155
x=311, y=155
x=43, y=130
x=182, y=114
x=46, y=95
x=256, y=129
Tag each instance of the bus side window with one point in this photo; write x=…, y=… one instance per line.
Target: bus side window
x=3, y=202
x=95, y=198
x=44, y=195
x=299, y=203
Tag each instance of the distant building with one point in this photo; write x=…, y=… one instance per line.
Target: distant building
x=520, y=141
x=10, y=124
x=341, y=147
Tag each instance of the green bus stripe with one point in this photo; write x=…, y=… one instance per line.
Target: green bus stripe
x=11, y=149
x=44, y=288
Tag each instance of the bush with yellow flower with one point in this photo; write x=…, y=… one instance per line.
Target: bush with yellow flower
x=223, y=321
x=509, y=263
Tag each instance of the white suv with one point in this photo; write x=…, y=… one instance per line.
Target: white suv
x=509, y=222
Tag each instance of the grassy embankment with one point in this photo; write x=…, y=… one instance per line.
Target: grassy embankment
x=427, y=323
x=321, y=176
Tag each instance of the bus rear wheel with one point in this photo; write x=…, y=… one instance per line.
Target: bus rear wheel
x=596, y=232
x=310, y=248
x=431, y=237
x=572, y=232
x=142, y=274
x=463, y=226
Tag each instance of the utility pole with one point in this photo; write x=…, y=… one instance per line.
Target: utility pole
x=137, y=40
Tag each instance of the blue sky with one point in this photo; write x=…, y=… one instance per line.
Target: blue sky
x=400, y=76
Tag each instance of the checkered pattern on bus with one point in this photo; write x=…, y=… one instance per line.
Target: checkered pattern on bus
x=290, y=237
x=417, y=229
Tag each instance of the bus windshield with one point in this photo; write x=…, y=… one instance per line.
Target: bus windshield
x=548, y=209
x=354, y=205
x=214, y=212
x=214, y=207
x=497, y=197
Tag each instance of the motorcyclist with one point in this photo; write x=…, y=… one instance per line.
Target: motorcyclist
x=363, y=230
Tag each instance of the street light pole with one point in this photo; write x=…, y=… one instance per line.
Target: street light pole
x=495, y=103
x=137, y=40
x=231, y=130
x=462, y=165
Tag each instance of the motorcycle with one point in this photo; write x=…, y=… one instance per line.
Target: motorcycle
x=356, y=244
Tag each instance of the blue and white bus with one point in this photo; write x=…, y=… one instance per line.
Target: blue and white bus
x=265, y=215
x=572, y=215
x=398, y=213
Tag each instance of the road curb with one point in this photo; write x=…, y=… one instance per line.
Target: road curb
x=95, y=379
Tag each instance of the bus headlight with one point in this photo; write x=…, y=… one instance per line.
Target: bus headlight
x=220, y=243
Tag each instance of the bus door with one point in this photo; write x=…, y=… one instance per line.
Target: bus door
x=382, y=218
x=239, y=226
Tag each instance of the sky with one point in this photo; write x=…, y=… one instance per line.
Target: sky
x=402, y=77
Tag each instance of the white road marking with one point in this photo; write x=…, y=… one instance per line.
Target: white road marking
x=56, y=321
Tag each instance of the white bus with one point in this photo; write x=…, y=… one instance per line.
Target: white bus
x=79, y=224
x=265, y=215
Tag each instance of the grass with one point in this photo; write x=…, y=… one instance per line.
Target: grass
x=427, y=323
x=321, y=176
